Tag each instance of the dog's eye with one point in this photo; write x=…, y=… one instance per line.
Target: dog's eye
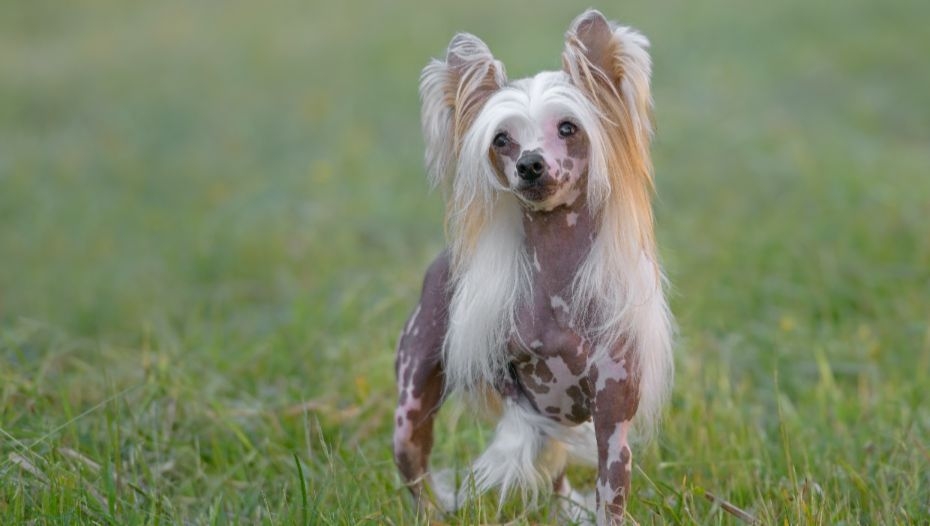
x=567, y=129
x=501, y=140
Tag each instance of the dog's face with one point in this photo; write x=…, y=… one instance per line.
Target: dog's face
x=582, y=132
x=538, y=148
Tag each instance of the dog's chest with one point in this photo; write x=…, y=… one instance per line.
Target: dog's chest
x=549, y=360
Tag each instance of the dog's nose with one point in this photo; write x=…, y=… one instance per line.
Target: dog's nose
x=531, y=166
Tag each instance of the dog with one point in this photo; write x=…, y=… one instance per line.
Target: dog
x=549, y=298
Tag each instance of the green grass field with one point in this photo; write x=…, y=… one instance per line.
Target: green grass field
x=214, y=220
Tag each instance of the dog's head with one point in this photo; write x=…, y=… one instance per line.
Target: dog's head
x=543, y=141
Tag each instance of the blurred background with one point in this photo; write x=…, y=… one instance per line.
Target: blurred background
x=214, y=219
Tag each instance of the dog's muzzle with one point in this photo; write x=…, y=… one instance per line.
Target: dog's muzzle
x=531, y=166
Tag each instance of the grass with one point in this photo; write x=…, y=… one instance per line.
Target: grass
x=214, y=220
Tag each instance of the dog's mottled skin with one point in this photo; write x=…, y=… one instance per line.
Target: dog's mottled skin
x=552, y=368
x=420, y=376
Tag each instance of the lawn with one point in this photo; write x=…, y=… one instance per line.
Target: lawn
x=214, y=220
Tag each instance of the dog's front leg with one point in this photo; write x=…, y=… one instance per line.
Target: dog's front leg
x=420, y=382
x=616, y=398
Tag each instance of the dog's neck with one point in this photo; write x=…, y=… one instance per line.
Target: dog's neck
x=557, y=241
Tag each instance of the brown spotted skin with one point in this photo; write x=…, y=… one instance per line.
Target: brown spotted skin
x=615, y=402
x=553, y=366
x=420, y=377
x=549, y=356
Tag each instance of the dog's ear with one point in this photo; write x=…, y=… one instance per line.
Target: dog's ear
x=605, y=59
x=452, y=92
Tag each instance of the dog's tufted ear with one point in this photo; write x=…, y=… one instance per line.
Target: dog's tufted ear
x=452, y=93
x=606, y=59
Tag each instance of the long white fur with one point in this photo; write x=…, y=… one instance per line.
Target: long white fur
x=620, y=275
x=527, y=452
x=436, y=121
x=474, y=61
x=482, y=307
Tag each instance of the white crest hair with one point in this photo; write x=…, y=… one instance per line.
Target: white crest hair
x=618, y=290
x=621, y=277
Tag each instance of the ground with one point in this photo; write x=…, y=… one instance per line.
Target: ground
x=214, y=220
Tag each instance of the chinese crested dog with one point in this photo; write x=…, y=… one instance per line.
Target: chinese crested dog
x=549, y=298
